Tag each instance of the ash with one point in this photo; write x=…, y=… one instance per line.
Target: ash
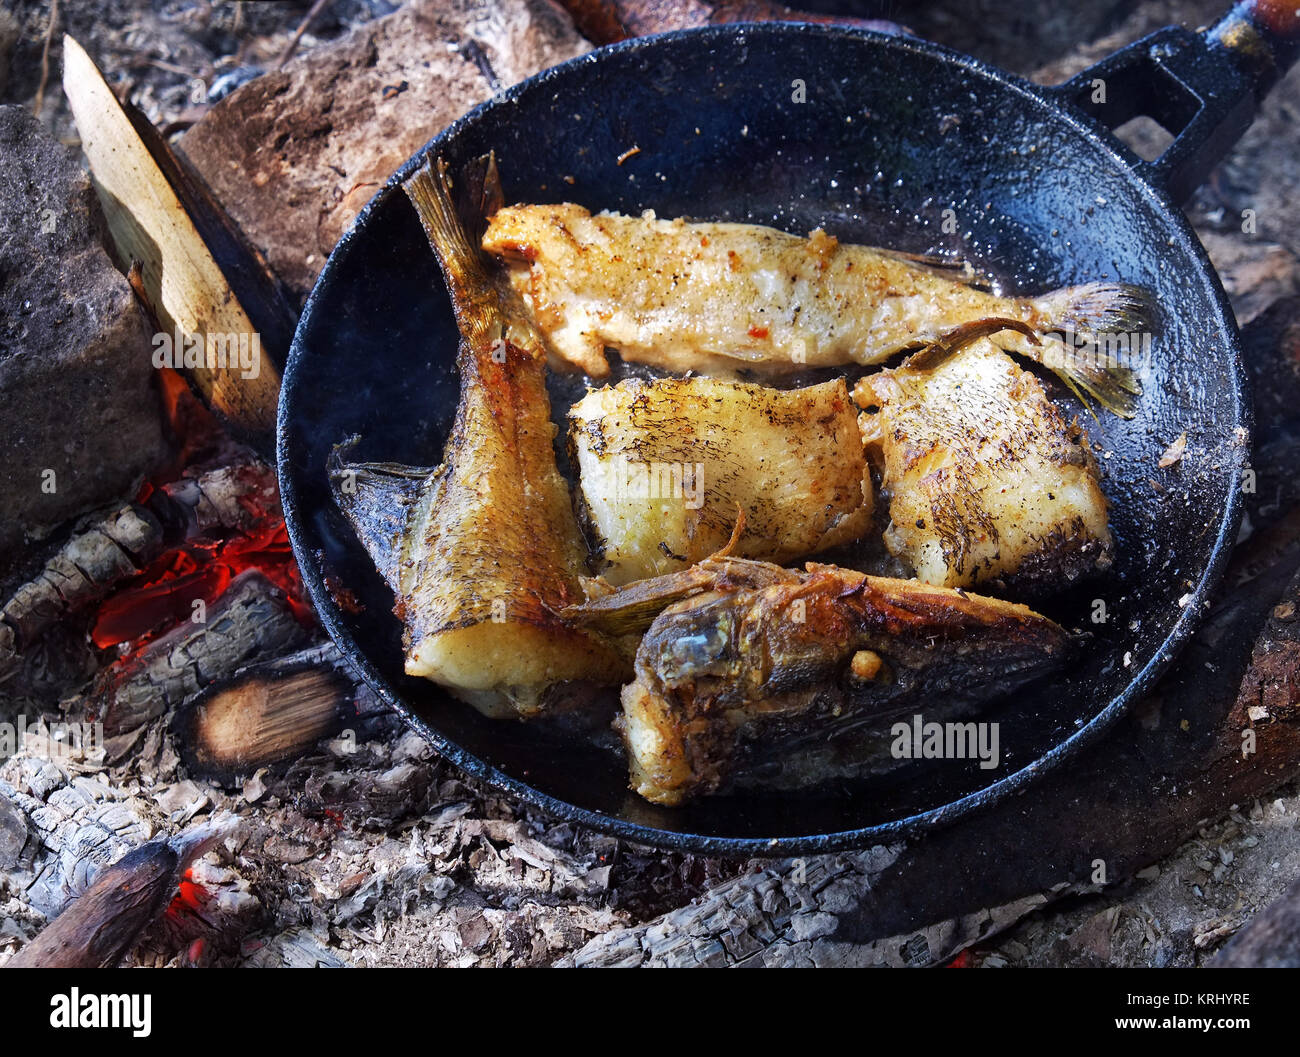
x=368, y=850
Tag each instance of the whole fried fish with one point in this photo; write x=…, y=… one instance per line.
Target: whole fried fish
x=483, y=551
x=719, y=297
x=987, y=481
x=750, y=669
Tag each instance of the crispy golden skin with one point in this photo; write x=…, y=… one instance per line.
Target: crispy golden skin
x=987, y=482
x=484, y=551
x=718, y=297
x=665, y=465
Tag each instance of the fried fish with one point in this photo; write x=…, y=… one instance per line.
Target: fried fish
x=719, y=297
x=483, y=551
x=665, y=464
x=987, y=481
x=750, y=669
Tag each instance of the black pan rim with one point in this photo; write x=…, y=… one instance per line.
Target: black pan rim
x=332, y=618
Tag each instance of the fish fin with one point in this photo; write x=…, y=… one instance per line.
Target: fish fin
x=1089, y=314
x=737, y=530
x=958, y=338
x=463, y=264
x=454, y=217
x=377, y=498
x=480, y=195
x=945, y=267
x=632, y=608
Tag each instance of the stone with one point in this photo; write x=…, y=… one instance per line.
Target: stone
x=9, y=33
x=80, y=414
x=293, y=155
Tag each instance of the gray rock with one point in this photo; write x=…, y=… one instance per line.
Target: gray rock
x=80, y=417
x=293, y=155
x=9, y=31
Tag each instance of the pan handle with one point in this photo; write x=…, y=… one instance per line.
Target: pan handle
x=1203, y=87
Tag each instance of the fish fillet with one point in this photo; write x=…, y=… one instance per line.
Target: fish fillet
x=665, y=465
x=719, y=297
x=987, y=482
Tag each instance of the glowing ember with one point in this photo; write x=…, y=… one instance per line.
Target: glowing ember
x=182, y=582
x=167, y=591
x=190, y=896
x=191, y=422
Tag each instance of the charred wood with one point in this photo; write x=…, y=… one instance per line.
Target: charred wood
x=119, y=545
x=295, y=948
x=273, y=712
x=253, y=620
x=82, y=572
x=71, y=829
x=1270, y=941
x=14, y=833
x=100, y=925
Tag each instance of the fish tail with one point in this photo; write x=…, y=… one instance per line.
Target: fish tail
x=1097, y=326
x=488, y=311
x=463, y=264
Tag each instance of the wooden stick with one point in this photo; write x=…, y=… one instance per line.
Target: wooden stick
x=1270, y=941
x=98, y=927
x=251, y=620
x=265, y=715
x=307, y=20
x=202, y=279
x=38, y=104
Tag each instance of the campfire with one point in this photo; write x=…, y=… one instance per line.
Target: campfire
x=176, y=725
x=186, y=578
x=221, y=533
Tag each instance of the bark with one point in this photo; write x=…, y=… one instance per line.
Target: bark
x=100, y=925
x=1270, y=941
x=252, y=621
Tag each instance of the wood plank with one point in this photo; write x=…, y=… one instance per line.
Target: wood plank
x=186, y=287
